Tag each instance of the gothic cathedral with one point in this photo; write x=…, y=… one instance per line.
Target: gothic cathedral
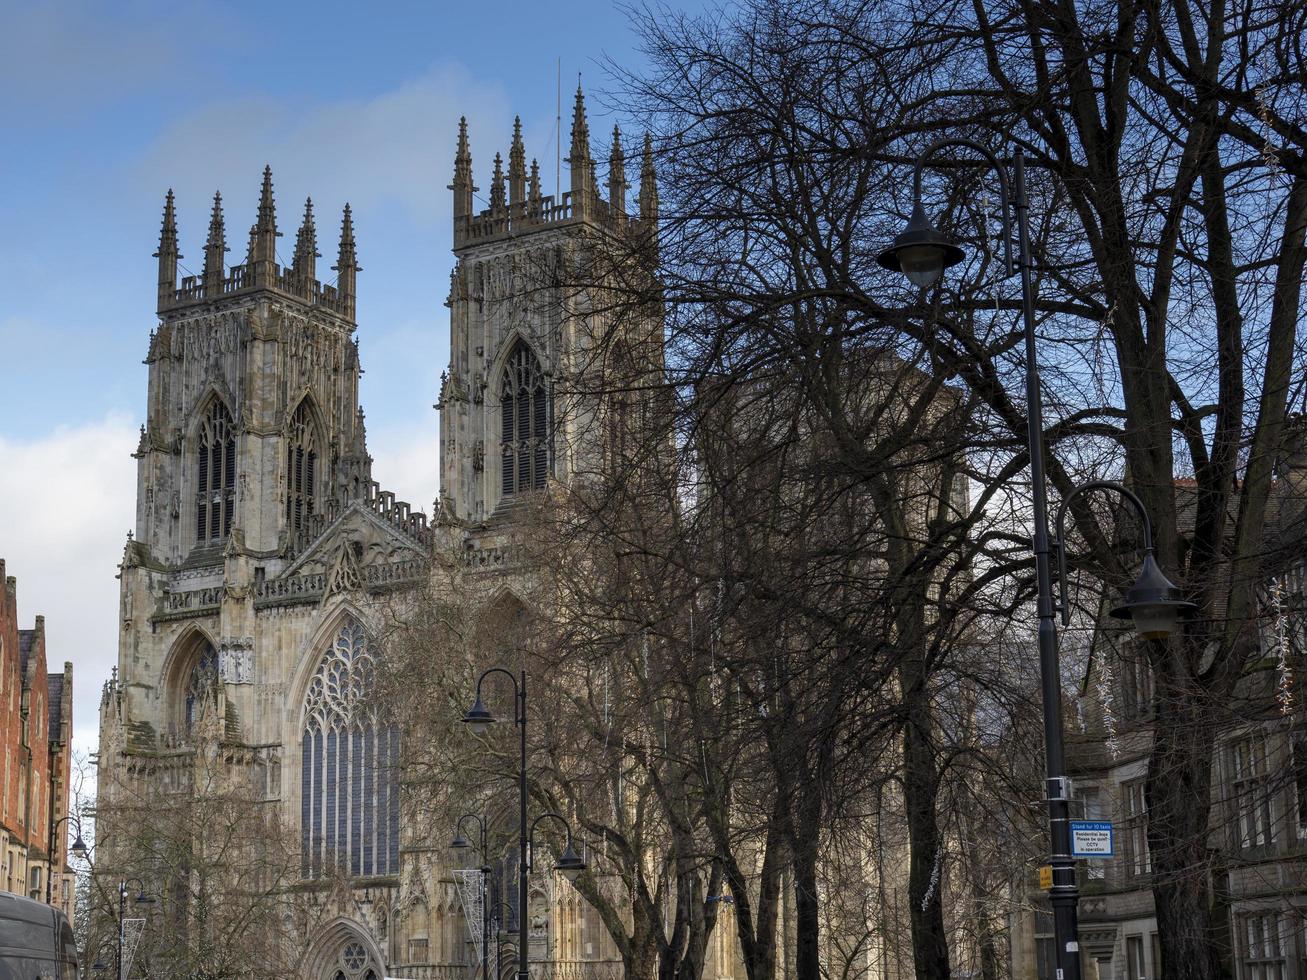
x=263, y=552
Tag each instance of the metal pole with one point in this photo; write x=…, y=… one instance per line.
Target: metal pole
x=523, y=971
x=1064, y=894
x=122, y=899
x=485, y=907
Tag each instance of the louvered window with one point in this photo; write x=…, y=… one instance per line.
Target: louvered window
x=525, y=424
x=301, y=467
x=215, y=498
x=349, y=799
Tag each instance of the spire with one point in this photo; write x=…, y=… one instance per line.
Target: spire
x=167, y=253
x=533, y=187
x=648, y=183
x=516, y=165
x=347, y=265
x=266, y=235
x=215, y=248
x=617, y=185
x=306, y=247
x=579, y=158
x=497, y=186
x=462, y=185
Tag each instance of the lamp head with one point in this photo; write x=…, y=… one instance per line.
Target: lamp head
x=459, y=840
x=920, y=251
x=478, y=717
x=144, y=899
x=570, y=864
x=79, y=848
x=1153, y=603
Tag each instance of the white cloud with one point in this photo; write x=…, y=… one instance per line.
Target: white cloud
x=396, y=148
x=406, y=461
x=67, y=499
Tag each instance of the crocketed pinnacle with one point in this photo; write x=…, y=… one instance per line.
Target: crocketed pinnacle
x=497, y=185
x=347, y=258
x=306, y=243
x=215, y=246
x=168, y=233
x=580, y=130
x=648, y=182
x=517, y=164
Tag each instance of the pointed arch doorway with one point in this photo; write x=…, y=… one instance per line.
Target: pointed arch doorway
x=343, y=951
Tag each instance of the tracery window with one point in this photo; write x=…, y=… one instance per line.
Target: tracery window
x=352, y=964
x=524, y=436
x=301, y=467
x=215, y=496
x=350, y=752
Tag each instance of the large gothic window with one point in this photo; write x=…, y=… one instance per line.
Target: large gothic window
x=350, y=754
x=301, y=467
x=524, y=442
x=215, y=498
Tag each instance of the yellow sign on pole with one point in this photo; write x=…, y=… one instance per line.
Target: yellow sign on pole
x=1045, y=876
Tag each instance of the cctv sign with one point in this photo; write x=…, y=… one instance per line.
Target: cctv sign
x=1091, y=839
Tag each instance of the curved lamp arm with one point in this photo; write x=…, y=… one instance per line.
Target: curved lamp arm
x=479, y=710
x=532, y=835
x=1059, y=542
x=481, y=825
x=1005, y=196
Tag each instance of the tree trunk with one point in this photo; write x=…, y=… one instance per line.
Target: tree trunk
x=921, y=792
x=1179, y=798
x=807, y=928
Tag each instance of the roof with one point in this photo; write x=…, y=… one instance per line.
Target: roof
x=56, y=691
x=26, y=640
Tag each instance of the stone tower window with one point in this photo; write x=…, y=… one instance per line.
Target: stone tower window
x=349, y=799
x=524, y=440
x=301, y=467
x=215, y=498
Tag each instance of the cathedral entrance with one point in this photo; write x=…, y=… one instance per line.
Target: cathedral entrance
x=343, y=951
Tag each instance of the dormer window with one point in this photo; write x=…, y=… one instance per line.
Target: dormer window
x=215, y=497
x=524, y=436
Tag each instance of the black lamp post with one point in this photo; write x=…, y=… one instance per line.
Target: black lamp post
x=462, y=842
x=79, y=850
x=479, y=719
x=140, y=899
x=922, y=253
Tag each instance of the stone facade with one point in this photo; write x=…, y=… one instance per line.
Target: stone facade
x=264, y=555
x=36, y=714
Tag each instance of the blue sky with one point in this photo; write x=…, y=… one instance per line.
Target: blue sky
x=105, y=106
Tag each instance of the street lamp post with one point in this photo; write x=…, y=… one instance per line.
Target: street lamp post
x=140, y=899
x=922, y=253
x=479, y=719
x=79, y=850
x=462, y=842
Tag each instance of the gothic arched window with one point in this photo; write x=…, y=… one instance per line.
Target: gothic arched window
x=215, y=497
x=201, y=684
x=524, y=440
x=301, y=467
x=349, y=801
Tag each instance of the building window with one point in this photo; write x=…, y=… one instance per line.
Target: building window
x=524, y=436
x=1136, y=685
x=350, y=753
x=302, y=456
x=1261, y=944
x=1135, y=967
x=1299, y=751
x=1251, y=785
x=215, y=500
x=1134, y=831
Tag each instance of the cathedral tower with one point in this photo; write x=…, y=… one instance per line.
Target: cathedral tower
x=524, y=319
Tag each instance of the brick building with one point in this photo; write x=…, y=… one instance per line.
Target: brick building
x=36, y=714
